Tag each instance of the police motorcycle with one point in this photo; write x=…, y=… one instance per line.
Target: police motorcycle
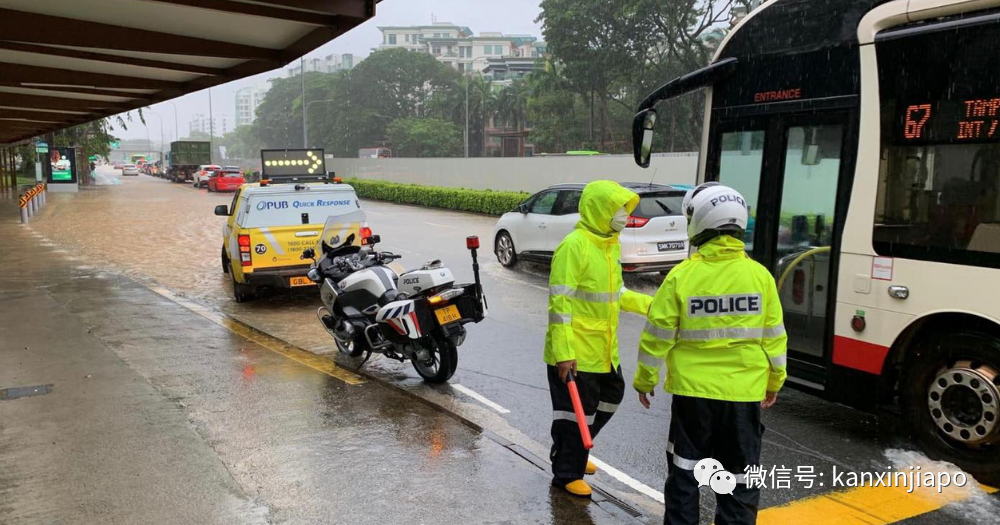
x=371, y=306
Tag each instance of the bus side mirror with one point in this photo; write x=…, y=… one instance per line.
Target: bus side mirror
x=222, y=210
x=642, y=136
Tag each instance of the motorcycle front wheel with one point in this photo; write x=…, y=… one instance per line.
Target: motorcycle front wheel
x=442, y=362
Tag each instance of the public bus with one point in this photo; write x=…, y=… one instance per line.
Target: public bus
x=865, y=136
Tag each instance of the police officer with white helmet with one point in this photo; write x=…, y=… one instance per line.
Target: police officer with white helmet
x=716, y=323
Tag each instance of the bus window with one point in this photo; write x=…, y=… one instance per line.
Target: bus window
x=740, y=163
x=939, y=179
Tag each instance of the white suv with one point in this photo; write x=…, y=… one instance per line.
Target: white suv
x=655, y=239
x=203, y=174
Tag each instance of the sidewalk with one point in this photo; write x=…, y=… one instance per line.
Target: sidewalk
x=141, y=410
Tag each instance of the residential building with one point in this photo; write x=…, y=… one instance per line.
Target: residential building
x=312, y=64
x=458, y=47
x=499, y=57
x=217, y=126
x=342, y=62
x=247, y=100
x=328, y=64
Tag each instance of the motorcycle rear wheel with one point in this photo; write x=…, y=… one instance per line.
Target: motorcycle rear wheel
x=442, y=364
x=353, y=349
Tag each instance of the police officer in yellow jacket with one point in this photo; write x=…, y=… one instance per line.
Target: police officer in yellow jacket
x=586, y=293
x=716, y=323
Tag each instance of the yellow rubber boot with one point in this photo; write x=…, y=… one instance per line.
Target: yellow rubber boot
x=578, y=488
x=591, y=468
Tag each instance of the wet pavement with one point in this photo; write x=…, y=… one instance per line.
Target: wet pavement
x=164, y=234
x=150, y=410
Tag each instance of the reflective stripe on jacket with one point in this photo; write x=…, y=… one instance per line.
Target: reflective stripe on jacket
x=717, y=323
x=586, y=291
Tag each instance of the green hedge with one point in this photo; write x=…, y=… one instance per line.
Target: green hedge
x=476, y=201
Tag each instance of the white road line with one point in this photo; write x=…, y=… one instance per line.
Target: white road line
x=438, y=225
x=628, y=480
x=479, y=397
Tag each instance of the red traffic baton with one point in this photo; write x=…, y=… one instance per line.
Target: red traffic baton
x=581, y=418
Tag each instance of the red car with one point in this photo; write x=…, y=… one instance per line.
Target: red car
x=225, y=180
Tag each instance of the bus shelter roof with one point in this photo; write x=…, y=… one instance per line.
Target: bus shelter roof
x=68, y=62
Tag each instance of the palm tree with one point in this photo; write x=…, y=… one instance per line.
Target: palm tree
x=482, y=103
x=512, y=104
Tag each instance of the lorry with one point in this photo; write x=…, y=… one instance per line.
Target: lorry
x=185, y=157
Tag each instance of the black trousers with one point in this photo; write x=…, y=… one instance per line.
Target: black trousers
x=600, y=395
x=727, y=431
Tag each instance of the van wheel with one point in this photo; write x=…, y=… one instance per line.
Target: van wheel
x=951, y=397
x=241, y=292
x=225, y=261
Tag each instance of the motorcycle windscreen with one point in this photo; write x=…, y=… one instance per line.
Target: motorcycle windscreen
x=341, y=230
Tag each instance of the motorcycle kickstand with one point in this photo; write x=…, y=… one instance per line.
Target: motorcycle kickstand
x=368, y=355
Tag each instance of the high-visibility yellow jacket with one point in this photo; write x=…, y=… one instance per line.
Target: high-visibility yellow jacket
x=586, y=291
x=717, y=323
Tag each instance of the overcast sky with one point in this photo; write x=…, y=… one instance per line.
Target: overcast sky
x=507, y=16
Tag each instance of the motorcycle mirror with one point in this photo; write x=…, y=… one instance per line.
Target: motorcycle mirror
x=308, y=253
x=374, y=239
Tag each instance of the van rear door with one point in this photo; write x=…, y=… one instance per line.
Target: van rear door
x=283, y=224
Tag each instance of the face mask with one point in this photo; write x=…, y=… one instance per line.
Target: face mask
x=620, y=219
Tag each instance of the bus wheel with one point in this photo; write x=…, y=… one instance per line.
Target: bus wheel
x=951, y=397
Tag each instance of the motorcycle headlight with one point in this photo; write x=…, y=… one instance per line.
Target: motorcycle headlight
x=313, y=275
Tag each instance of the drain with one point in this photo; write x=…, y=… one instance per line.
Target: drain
x=16, y=392
x=621, y=505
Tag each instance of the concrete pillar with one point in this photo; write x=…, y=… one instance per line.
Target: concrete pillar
x=24, y=215
x=11, y=166
x=4, y=181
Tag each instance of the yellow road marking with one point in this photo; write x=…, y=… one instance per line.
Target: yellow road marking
x=867, y=505
x=316, y=362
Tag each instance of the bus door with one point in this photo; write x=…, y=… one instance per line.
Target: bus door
x=789, y=169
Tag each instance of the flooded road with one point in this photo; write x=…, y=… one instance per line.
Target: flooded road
x=163, y=233
x=121, y=403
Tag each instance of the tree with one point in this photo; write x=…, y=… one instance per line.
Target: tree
x=558, y=115
x=240, y=144
x=614, y=52
x=512, y=104
x=197, y=135
x=425, y=137
x=602, y=44
x=92, y=138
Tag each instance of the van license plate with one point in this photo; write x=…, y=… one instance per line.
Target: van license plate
x=300, y=281
x=671, y=246
x=448, y=314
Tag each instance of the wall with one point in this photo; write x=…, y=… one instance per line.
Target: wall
x=529, y=174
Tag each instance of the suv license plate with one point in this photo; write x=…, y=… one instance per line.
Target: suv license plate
x=300, y=281
x=671, y=246
x=448, y=314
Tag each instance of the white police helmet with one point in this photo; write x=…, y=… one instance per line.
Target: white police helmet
x=713, y=209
